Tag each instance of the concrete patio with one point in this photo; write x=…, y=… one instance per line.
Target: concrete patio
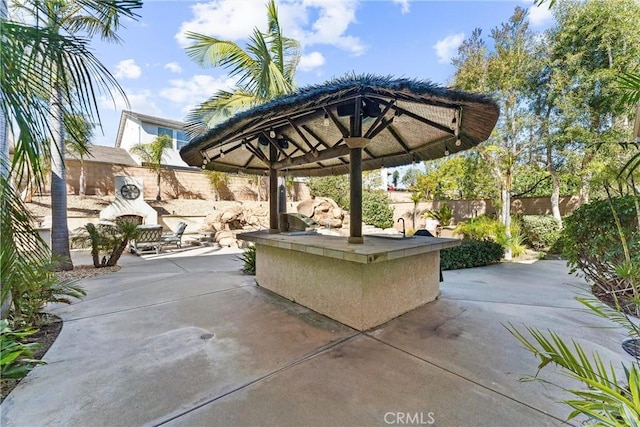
x=187, y=339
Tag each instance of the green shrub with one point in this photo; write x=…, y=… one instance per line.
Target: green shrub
x=335, y=187
x=592, y=243
x=15, y=356
x=471, y=253
x=482, y=227
x=376, y=209
x=248, y=258
x=444, y=215
x=106, y=240
x=541, y=232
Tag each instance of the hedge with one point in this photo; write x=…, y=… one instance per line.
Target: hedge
x=541, y=232
x=471, y=253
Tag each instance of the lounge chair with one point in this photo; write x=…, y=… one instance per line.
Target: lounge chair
x=176, y=237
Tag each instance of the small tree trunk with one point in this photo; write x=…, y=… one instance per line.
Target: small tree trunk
x=555, y=191
x=82, y=181
x=158, y=196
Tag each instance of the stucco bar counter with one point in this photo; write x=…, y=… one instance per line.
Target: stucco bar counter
x=360, y=285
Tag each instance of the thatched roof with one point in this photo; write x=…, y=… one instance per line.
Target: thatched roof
x=406, y=120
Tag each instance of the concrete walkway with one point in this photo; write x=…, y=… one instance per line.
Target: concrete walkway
x=187, y=339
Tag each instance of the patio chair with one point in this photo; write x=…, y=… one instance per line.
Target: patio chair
x=150, y=238
x=176, y=237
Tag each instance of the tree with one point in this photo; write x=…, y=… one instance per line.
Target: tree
x=265, y=69
x=593, y=44
x=502, y=72
x=395, y=178
x=152, y=155
x=416, y=197
x=32, y=56
x=217, y=180
x=79, y=134
x=63, y=87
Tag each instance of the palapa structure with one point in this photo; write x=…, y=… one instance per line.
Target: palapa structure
x=346, y=125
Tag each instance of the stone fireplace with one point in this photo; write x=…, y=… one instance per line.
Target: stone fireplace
x=129, y=203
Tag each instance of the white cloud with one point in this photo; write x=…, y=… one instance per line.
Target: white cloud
x=404, y=5
x=235, y=20
x=540, y=15
x=226, y=19
x=174, y=67
x=189, y=93
x=141, y=100
x=334, y=18
x=446, y=48
x=310, y=61
x=127, y=69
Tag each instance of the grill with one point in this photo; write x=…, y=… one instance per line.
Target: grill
x=295, y=222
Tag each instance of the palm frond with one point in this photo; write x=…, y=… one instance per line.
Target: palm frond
x=34, y=58
x=630, y=82
x=219, y=108
x=209, y=51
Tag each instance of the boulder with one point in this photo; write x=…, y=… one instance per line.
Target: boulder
x=323, y=210
x=306, y=207
x=227, y=241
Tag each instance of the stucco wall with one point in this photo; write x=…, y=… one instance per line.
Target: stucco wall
x=176, y=183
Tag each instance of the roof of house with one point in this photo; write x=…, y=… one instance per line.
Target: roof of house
x=173, y=124
x=104, y=154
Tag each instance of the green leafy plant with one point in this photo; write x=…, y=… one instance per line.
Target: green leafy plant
x=376, y=209
x=471, y=253
x=444, y=214
x=15, y=356
x=541, y=232
x=108, y=241
x=482, y=227
x=333, y=187
x=248, y=258
x=26, y=269
x=602, y=240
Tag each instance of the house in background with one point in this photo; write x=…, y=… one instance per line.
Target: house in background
x=136, y=128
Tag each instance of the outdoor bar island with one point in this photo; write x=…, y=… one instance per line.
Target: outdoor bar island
x=346, y=126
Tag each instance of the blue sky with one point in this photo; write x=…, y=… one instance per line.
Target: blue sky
x=413, y=39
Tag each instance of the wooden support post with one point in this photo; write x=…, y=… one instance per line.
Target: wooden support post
x=355, y=184
x=273, y=191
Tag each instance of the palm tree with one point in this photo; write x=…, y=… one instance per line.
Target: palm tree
x=216, y=180
x=32, y=56
x=63, y=80
x=79, y=135
x=265, y=70
x=152, y=155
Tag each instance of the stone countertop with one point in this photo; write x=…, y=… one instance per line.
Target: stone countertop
x=374, y=248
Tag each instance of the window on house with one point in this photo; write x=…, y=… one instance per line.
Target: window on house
x=181, y=139
x=165, y=131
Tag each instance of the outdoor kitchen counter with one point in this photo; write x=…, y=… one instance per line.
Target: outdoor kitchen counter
x=361, y=285
x=374, y=249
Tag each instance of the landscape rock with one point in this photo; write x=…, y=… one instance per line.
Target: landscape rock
x=323, y=210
